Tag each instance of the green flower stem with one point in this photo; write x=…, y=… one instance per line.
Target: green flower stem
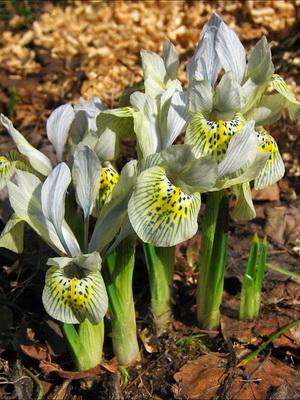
x=118, y=272
x=92, y=338
x=212, y=260
x=160, y=264
x=253, y=280
x=86, y=232
x=85, y=344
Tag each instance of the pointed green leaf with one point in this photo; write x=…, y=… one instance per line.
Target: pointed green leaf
x=160, y=213
x=37, y=160
x=12, y=235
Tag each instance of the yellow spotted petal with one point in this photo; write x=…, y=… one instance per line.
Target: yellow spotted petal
x=109, y=179
x=161, y=213
x=71, y=295
x=212, y=137
x=274, y=167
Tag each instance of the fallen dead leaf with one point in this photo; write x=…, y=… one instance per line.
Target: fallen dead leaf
x=35, y=351
x=111, y=366
x=200, y=378
x=206, y=377
x=283, y=223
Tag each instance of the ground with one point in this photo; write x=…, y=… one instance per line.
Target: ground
x=54, y=52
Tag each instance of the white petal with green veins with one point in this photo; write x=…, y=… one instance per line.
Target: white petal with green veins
x=274, y=167
x=53, y=204
x=115, y=209
x=231, y=52
x=242, y=150
x=260, y=66
x=160, y=212
x=200, y=97
x=86, y=171
x=155, y=74
x=292, y=104
x=177, y=118
x=145, y=123
x=228, y=95
x=212, y=137
x=205, y=63
x=72, y=294
x=37, y=159
x=171, y=60
x=58, y=126
x=25, y=199
x=268, y=110
x=244, y=208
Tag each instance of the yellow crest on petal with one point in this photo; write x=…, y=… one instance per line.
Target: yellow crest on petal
x=212, y=137
x=107, y=182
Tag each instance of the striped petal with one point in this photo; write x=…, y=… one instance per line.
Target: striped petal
x=244, y=208
x=292, y=104
x=161, y=213
x=274, y=167
x=212, y=137
x=58, y=126
x=72, y=294
x=37, y=159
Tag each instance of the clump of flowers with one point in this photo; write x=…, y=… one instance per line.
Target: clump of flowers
x=84, y=210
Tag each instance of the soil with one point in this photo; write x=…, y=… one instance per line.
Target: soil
x=54, y=52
